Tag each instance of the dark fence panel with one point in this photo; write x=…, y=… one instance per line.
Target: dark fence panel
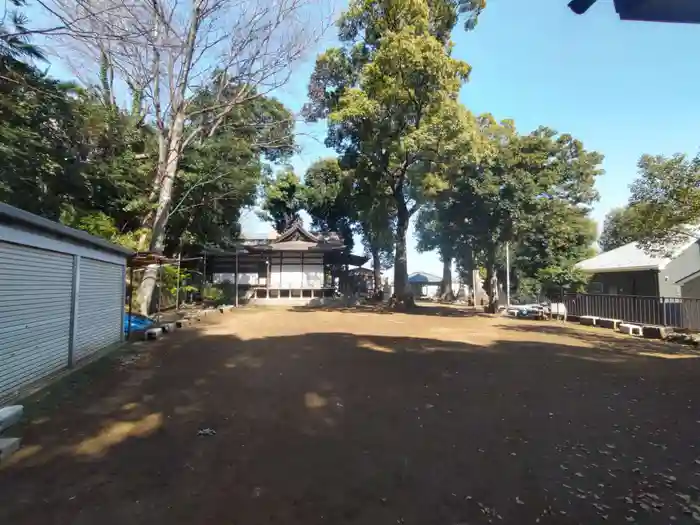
x=660, y=311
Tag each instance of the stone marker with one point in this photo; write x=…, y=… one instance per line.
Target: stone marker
x=609, y=323
x=153, y=333
x=630, y=329
x=588, y=320
x=10, y=416
x=169, y=327
x=654, y=332
x=8, y=446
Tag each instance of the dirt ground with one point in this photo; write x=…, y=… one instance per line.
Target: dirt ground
x=358, y=417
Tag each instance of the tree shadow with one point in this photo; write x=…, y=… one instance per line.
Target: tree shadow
x=418, y=309
x=601, y=337
x=343, y=428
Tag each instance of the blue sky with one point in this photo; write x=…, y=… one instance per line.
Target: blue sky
x=623, y=88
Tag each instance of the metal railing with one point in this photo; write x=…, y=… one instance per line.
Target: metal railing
x=674, y=312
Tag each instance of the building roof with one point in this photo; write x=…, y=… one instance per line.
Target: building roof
x=677, y=11
x=11, y=215
x=688, y=278
x=630, y=257
x=424, y=278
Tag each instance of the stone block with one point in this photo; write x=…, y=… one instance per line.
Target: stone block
x=10, y=416
x=654, y=332
x=613, y=324
x=588, y=320
x=630, y=329
x=8, y=446
x=153, y=333
x=169, y=327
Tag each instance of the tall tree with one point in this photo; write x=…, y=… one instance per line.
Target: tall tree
x=514, y=188
x=283, y=199
x=666, y=201
x=390, y=97
x=377, y=225
x=329, y=200
x=621, y=227
x=434, y=231
x=167, y=50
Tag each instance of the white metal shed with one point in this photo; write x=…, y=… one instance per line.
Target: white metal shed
x=61, y=297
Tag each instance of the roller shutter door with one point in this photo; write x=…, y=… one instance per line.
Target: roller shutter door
x=35, y=313
x=100, y=304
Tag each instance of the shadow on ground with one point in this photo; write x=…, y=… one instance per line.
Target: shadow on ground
x=601, y=337
x=344, y=429
x=419, y=309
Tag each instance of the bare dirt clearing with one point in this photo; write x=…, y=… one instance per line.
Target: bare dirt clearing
x=359, y=417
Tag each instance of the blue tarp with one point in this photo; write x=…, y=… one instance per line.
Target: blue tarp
x=138, y=322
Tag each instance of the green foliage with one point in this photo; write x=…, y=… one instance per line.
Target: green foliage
x=390, y=96
x=213, y=293
x=70, y=154
x=621, y=226
x=283, y=199
x=666, y=201
x=529, y=191
x=555, y=279
x=328, y=198
x=14, y=35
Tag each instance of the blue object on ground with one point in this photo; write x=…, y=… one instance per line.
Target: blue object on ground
x=138, y=322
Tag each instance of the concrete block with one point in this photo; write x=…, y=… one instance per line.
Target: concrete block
x=169, y=327
x=153, y=333
x=630, y=329
x=10, y=416
x=654, y=332
x=613, y=324
x=588, y=320
x=8, y=446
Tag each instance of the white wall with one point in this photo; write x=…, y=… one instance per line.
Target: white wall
x=683, y=265
x=289, y=275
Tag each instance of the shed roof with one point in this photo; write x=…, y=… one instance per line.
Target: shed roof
x=424, y=278
x=631, y=257
x=11, y=215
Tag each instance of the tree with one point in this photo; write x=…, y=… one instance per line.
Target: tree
x=328, y=196
x=666, y=201
x=621, y=227
x=516, y=186
x=390, y=95
x=283, y=200
x=165, y=51
x=15, y=42
x=377, y=226
x=434, y=231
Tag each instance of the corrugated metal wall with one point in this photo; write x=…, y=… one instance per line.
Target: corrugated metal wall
x=56, y=307
x=100, y=296
x=35, y=314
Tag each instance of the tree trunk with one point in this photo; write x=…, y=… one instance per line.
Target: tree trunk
x=446, y=292
x=404, y=296
x=377, y=268
x=165, y=198
x=492, y=281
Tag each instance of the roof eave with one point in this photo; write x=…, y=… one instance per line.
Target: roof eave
x=622, y=269
x=25, y=218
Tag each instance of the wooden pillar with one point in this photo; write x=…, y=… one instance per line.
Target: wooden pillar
x=281, y=264
x=302, y=271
